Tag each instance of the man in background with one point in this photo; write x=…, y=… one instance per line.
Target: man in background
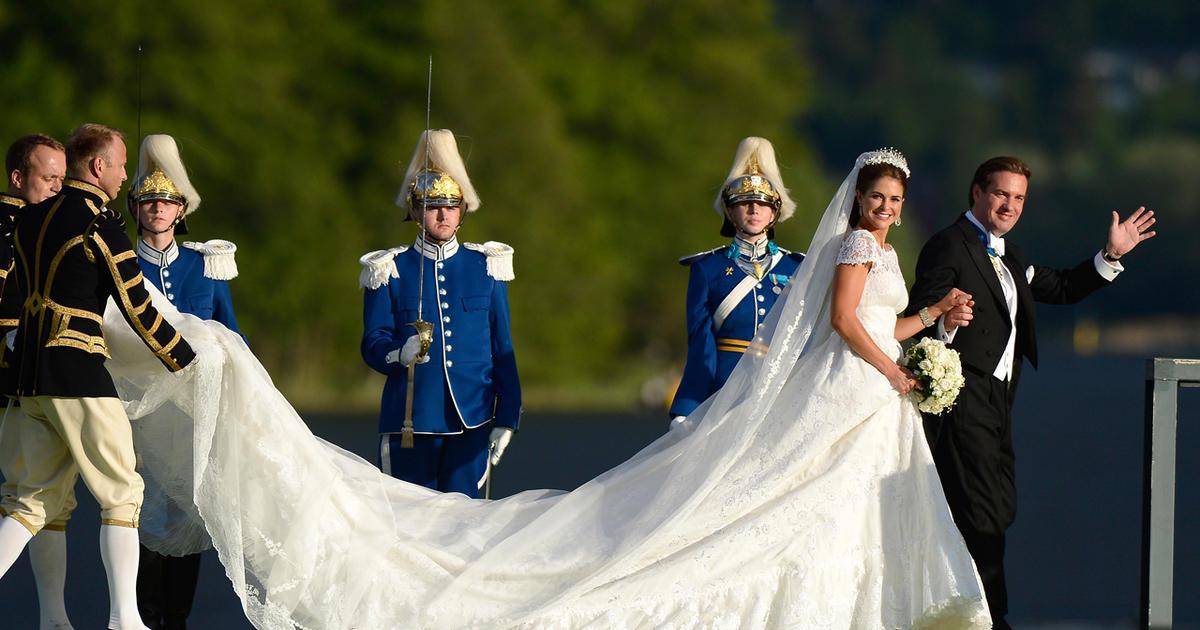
x=36, y=165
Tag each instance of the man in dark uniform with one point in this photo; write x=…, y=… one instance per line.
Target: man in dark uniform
x=36, y=165
x=72, y=256
x=972, y=443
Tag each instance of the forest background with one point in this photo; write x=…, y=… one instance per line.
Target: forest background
x=597, y=134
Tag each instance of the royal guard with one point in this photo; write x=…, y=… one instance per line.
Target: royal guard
x=452, y=396
x=194, y=278
x=732, y=288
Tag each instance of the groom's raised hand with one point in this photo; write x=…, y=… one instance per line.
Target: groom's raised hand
x=1125, y=235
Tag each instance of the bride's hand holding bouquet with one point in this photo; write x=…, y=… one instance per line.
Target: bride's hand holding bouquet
x=938, y=371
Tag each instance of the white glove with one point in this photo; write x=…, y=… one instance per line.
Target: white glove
x=406, y=353
x=680, y=422
x=10, y=339
x=498, y=442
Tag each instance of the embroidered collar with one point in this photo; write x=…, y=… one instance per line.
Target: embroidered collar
x=994, y=244
x=85, y=187
x=155, y=257
x=10, y=200
x=436, y=252
x=753, y=251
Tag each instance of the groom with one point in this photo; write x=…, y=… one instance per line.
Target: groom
x=972, y=443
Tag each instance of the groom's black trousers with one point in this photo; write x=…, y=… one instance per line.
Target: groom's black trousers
x=972, y=447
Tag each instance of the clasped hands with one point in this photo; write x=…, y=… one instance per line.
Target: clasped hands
x=956, y=308
x=956, y=311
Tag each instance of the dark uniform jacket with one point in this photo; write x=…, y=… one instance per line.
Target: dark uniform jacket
x=72, y=254
x=10, y=210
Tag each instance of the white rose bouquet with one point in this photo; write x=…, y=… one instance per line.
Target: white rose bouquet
x=939, y=372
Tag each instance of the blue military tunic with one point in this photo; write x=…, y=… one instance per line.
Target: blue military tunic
x=471, y=377
x=179, y=273
x=720, y=327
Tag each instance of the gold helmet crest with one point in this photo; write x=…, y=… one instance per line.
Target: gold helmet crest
x=434, y=188
x=155, y=185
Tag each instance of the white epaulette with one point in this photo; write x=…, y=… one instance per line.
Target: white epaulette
x=499, y=258
x=378, y=267
x=219, y=263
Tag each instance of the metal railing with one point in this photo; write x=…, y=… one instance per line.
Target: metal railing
x=1164, y=377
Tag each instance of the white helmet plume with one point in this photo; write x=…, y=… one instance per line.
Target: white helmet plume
x=160, y=153
x=442, y=158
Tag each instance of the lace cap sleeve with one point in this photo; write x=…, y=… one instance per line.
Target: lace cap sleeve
x=858, y=248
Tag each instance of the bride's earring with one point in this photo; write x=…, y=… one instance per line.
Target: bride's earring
x=897, y=221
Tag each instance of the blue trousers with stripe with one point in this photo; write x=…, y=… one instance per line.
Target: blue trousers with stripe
x=449, y=463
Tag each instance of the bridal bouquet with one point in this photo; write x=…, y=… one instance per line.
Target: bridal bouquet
x=939, y=372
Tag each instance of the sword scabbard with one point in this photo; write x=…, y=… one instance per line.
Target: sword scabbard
x=406, y=434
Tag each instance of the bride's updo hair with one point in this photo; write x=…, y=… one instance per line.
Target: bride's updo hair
x=868, y=175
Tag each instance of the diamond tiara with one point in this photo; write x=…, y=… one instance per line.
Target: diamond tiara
x=886, y=155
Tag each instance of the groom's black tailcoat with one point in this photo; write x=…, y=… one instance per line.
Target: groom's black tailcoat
x=972, y=443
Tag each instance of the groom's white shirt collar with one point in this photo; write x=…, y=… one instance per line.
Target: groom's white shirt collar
x=995, y=242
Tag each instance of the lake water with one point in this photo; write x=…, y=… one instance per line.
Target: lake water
x=1074, y=552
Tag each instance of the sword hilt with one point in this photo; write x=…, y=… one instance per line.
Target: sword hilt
x=424, y=335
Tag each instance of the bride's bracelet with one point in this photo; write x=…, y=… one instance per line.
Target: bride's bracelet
x=926, y=318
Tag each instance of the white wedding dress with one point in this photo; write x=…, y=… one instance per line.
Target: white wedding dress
x=804, y=496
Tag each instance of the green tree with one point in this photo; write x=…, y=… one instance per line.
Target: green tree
x=597, y=134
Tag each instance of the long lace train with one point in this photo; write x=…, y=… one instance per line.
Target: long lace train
x=804, y=497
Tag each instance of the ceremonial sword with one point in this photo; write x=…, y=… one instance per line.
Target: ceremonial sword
x=424, y=329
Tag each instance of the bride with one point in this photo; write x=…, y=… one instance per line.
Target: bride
x=801, y=495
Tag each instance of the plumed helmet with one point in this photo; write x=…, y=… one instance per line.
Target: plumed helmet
x=161, y=175
x=754, y=176
x=436, y=175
